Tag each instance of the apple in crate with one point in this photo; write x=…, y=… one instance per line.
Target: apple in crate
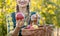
x=35, y=26
x=19, y=16
x=30, y=27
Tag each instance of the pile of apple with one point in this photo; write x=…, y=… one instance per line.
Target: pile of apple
x=31, y=27
x=19, y=16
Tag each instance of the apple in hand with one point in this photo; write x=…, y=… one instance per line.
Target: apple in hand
x=19, y=16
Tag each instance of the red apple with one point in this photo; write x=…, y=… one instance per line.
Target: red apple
x=19, y=16
x=30, y=27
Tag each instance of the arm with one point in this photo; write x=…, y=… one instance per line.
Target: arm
x=19, y=24
x=15, y=31
x=10, y=25
x=17, y=28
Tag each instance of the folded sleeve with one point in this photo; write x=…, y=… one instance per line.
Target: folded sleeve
x=9, y=23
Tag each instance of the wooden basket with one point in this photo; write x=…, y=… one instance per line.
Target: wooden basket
x=41, y=31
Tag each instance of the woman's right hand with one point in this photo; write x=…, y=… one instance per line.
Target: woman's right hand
x=19, y=23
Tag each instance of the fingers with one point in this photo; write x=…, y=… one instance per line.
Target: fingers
x=19, y=23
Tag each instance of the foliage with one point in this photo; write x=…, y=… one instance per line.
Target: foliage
x=48, y=9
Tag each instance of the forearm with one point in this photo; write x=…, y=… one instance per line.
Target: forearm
x=15, y=31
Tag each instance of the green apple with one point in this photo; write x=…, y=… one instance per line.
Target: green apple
x=35, y=26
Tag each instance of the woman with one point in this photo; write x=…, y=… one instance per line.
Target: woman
x=16, y=25
x=22, y=6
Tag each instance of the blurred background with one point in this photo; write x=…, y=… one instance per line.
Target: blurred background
x=48, y=9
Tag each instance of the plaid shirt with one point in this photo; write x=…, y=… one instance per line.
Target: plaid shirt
x=10, y=23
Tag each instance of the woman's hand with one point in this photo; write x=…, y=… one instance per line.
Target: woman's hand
x=19, y=23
